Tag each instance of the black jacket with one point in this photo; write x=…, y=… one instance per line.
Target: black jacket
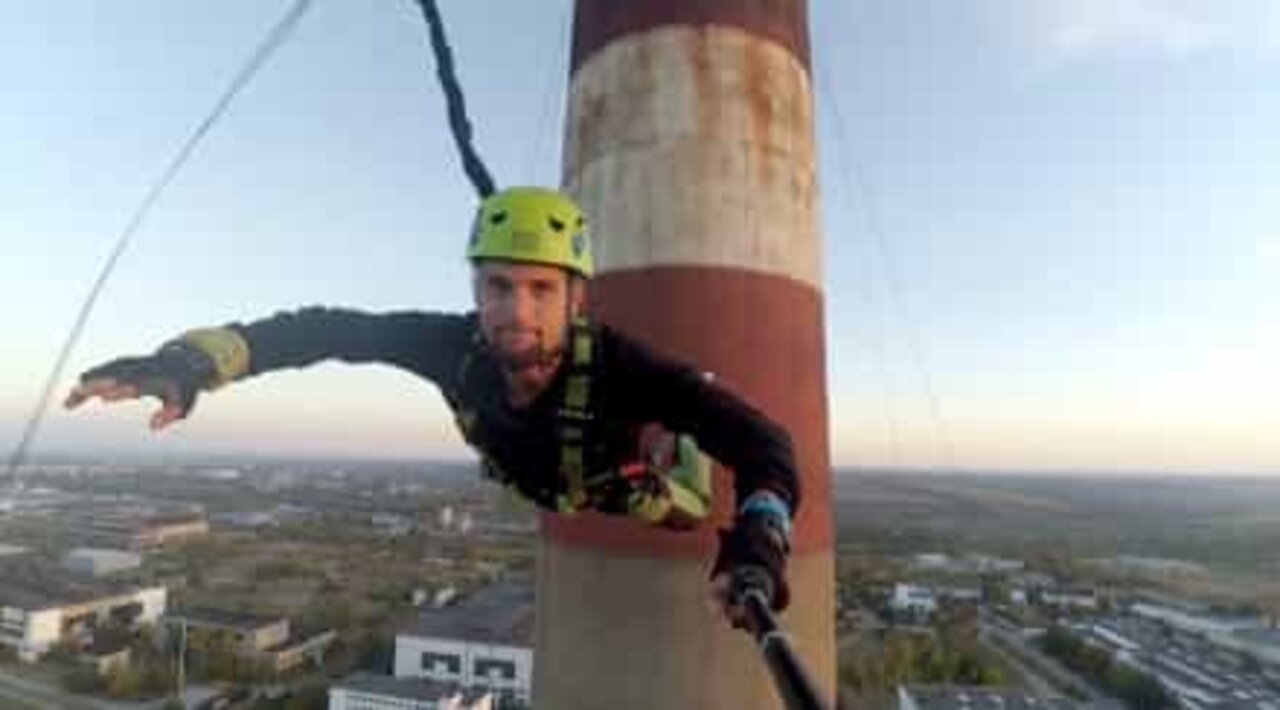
x=631, y=386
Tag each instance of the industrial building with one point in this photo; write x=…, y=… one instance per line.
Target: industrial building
x=272, y=642
x=371, y=692
x=912, y=600
x=137, y=529
x=484, y=642
x=41, y=606
x=98, y=562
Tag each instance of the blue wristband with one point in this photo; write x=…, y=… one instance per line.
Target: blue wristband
x=767, y=503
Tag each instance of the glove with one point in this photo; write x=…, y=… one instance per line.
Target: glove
x=175, y=374
x=758, y=541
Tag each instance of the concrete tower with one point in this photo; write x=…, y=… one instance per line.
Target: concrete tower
x=690, y=144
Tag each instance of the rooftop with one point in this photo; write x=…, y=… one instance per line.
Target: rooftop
x=946, y=697
x=407, y=688
x=501, y=613
x=1262, y=637
x=34, y=583
x=224, y=619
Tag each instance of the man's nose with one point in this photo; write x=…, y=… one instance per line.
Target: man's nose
x=522, y=309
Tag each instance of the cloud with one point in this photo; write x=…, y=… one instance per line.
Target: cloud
x=1088, y=25
x=1069, y=30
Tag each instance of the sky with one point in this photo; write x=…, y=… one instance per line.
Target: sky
x=1051, y=229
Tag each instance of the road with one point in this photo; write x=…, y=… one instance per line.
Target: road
x=33, y=693
x=1036, y=682
x=1012, y=642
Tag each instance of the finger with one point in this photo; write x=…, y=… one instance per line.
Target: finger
x=725, y=608
x=165, y=416
x=716, y=595
x=720, y=587
x=75, y=398
x=119, y=392
x=89, y=388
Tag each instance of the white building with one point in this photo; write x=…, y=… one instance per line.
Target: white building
x=98, y=562
x=931, y=560
x=372, y=692
x=1070, y=598
x=1198, y=623
x=912, y=599
x=484, y=642
x=969, y=564
x=1263, y=644
x=960, y=595
x=33, y=621
x=985, y=563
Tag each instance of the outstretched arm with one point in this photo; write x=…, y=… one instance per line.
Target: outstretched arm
x=207, y=358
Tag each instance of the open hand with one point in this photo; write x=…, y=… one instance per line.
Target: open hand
x=134, y=378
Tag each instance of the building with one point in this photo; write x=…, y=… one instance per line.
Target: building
x=931, y=561
x=1198, y=623
x=1263, y=644
x=912, y=600
x=271, y=642
x=1243, y=634
x=969, y=564
x=1070, y=598
x=246, y=519
x=42, y=606
x=372, y=692
x=485, y=641
x=97, y=562
x=132, y=527
x=1158, y=566
x=955, y=697
x=392, y=524
x=998, y=565
x=959, y=595
x=105, y=658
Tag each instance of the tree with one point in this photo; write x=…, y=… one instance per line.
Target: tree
x=123, y=682
x=308, y=697
x=83, y=680
x=1137, y=689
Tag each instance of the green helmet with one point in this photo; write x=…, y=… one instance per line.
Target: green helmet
x=532, y=224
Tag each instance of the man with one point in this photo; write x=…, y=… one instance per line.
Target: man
x=571, y=414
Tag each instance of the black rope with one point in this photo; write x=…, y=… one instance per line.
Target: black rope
x=269, y=44
x=458, y=123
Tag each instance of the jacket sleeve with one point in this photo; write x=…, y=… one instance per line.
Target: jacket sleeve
x=424, y=343
x=658, y=388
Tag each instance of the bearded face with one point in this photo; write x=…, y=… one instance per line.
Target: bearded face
x=525, y=310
